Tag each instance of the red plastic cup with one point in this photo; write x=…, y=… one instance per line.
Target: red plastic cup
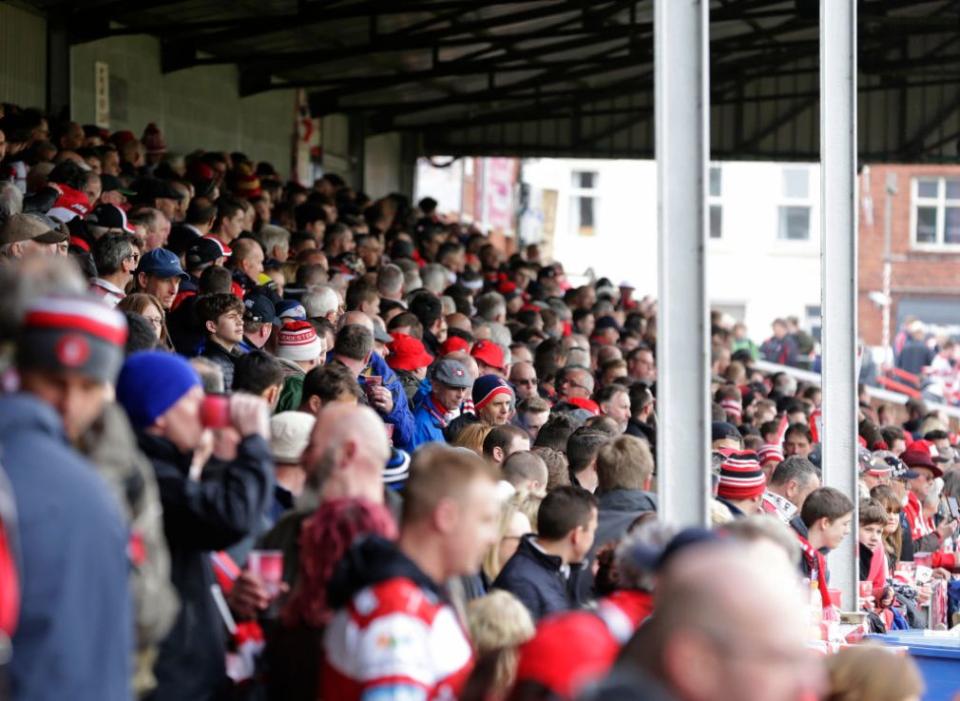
x=866, y=590
x=923, y=559
x=268, y=566
x=215, y=411
x=836, y=597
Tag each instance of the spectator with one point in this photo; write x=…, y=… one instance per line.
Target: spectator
x=162, y=396
x=301, y=350
x=499, y=624
x=868, y=672
x=532, y=414
x=872, y=559
x=450, y=382
x=159, y=274
x=742, y=484
x=545, y=570
x=826, y=517
x=780, y=348
x=798, y=440
x=115, y=258
x=526, y=471
x=328, y=384
x=493, y=399
x=222, y=319
x=924, y=533
x=150, y=308
x=624, y=471
x=74, y=635
x=410, y=360
x=791, y=483
x=259, y=320
x=581, y=449
x=915, y=355
x=449, y=521
x=614, y=401
x=712, y=599
x=523, y=377
x=725, y=436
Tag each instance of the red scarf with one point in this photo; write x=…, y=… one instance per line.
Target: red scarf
x=817, y=563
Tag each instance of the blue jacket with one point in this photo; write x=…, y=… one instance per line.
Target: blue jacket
x=535, y=578
x=401, y=417
x=426, y=428
x=75, y=635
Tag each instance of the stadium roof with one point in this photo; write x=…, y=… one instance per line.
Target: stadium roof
x=561, y=77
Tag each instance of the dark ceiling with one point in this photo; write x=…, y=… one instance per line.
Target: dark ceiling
x=561, y=77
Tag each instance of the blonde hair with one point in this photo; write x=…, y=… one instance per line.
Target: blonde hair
x=499, y=622
x=491, y=561
x=472, y=437
x=530, y=505
x=870, y=673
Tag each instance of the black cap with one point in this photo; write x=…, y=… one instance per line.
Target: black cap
x=201, y=252
x=149, y=189
x=111, y=183
x=607, y=322
x=259, y=309
x=720, y=430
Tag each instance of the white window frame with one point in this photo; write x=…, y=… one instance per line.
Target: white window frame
x=941, y=203
x=577, y=193
x=714, y=201
x=787, y=201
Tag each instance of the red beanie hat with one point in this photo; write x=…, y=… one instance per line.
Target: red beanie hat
x=741, y=476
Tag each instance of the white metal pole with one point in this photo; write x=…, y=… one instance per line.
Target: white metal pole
x=681, y=55
x=838, y=237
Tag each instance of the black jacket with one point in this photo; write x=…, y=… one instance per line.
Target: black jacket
x=535, y=578
x=225, y=360
x=200, y=517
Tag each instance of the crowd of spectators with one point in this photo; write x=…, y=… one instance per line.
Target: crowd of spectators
x=263, y=440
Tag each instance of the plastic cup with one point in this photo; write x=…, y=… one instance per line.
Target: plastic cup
x=268, y=566
x=215, y=411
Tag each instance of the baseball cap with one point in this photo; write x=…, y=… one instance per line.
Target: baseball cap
x=148, y=189
x=109, y=216
x=162, y=263
x=111, y=183
x=408, y=353
x=32, y=227
x=719, y=430
x=291, y=309
x=201, y=252
x=452, y=373
x=259, y=309
x=489, y=352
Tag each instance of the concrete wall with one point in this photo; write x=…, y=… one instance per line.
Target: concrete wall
x=195, y=108
x=23, y=57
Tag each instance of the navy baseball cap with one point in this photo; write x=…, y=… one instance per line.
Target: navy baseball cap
x=259, y=309
x=162, y=263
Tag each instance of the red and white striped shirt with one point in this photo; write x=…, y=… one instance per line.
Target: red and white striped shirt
x=395, y=641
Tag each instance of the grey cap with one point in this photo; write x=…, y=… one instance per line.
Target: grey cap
x=452, y=373
x=380, y=335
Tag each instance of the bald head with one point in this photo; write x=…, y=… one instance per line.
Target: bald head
x=459, y=321
x=347, y=452
x=713, y=613
x=357, y=317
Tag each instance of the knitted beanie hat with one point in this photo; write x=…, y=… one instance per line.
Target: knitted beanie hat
x=298, y=341
x=151, y=382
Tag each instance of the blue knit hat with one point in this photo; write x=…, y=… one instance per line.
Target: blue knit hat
x=151, y=382
x=397, y=469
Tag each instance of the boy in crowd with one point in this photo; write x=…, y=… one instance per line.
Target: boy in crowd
x=222, y=318
x=826, y=514
x=873, y=560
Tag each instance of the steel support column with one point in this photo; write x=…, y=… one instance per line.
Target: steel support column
x=838, y=241
x=682, y=94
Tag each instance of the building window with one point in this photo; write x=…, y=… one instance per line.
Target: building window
x=936, y=211
x=715, y=202
x=583, y=202
x=795, y=205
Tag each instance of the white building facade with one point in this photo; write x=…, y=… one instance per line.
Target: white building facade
x=764, y=246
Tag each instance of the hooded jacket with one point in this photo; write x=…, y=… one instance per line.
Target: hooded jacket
x=394, y=632
x=201, y=517
x=74, y=638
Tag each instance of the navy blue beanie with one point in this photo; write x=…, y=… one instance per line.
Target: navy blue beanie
x=151, y=382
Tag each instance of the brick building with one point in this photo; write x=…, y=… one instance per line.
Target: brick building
x=924, y=247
